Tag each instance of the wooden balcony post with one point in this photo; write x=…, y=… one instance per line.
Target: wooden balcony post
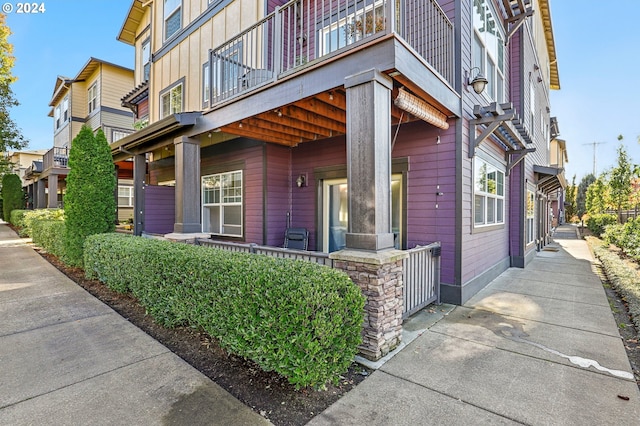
x=187, y=172
x=369, y=161
x=40, y=195
x=53, y=191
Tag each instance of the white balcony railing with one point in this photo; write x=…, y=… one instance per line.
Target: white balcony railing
x=309, y=31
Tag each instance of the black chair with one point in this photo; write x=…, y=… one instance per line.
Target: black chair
x=296, y=238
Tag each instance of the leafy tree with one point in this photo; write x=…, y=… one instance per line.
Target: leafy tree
x=597, y=196
x=89, y=202
x=10, y=135
x=570, y=200
x=620, y=181
x=581, y=195
x=12, y=195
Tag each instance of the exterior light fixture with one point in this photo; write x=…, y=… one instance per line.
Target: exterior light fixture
x=479, y=82
x=301, y=180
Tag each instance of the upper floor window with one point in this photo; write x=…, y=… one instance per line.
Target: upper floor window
x=65, y=109
x=116, y=135
x=488, y=194
x=172, y=17
x=171, y=100
x=206, y=84
x=92, y=97
x=146, y=60
x=488, y=47
x=56, y=116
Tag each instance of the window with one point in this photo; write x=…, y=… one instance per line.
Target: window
x=488, y=48
x=56, y=116
x=335, y=215
x=116, y=135
x=206, y=85
x=93, y=97
x=146, y=60
x=488, y=194
x=125, y=196
x=172, y=17
x=530, y=225
x=359, y=24
x=171, y=100
x=222, y=204
x=65, y=109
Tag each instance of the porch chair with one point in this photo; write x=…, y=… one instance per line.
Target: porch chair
x=296, y=238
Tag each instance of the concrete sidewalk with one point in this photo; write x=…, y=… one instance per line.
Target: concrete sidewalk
x=68, y=359
x=537, y=346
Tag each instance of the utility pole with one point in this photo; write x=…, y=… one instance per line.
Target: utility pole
x=595, y=146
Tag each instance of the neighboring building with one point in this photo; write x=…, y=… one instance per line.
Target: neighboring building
x=264, y=115
x=556, y=186
x=23, y=162
x=93, y=98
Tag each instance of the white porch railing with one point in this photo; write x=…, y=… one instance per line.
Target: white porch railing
x=305, y=31
x=420, y=270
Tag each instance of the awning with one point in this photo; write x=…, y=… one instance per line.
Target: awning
x=549, y=178
x=147, y=139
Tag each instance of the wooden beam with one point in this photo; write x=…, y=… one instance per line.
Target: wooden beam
x=317, y=107
x=334, y=98
x=274, y=117
x=314, y=118
x=261, y=134
x=277, y=127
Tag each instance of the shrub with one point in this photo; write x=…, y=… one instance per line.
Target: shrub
x=48, y=235
x=626, y=237
x=297, y=318
x=90, y=206
x=12, y=195
x=31, y=216
x=598, y=222
x=16, y=217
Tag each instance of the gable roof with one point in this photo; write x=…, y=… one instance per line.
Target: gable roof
x=545, y=13
x=131, y=23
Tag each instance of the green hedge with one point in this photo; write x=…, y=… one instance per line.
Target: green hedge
x=48, y=235
x=626, y=237
x=597, y=223
x=297, y=318
x=17, y=217
x=12, y=195
x=29, y=217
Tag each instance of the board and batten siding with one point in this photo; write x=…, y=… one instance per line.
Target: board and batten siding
x=115, y=83
x=159, y=209
x=185, y=60
x=278, y=185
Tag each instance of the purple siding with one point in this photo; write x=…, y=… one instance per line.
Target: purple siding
x=159, y=208
x=278, y=193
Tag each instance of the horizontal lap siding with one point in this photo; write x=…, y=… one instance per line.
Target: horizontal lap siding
x=159, y=209
x=431, y=164
x=278, y=193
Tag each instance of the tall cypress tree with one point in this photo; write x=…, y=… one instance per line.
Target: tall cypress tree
x=12, y=195
x=89, y=202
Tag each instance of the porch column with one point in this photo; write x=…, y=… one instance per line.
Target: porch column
x=370, y=259
x=40, y=202
x=139, y=173
x=53, y=191
x=369, y=161
x=187, y=172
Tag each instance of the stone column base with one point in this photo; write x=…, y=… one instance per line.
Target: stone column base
x=379, y=276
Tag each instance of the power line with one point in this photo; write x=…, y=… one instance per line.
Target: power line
x=595, y=146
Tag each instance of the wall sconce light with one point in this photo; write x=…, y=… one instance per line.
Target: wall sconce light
x=301, y=180
x=479, y=82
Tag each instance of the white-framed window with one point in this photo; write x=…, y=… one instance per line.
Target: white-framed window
x=92, y=97
x=171, y=100
x=359, y=24
x=488, y=48
x=172, y=17
x=222, y=204
x=65, y=109
x=116, y=135
x=125, y=196
x=56, y=116
x=206, y=84
x=530, y=216
x=335, y=216
x=146, y=59
x=488, y=194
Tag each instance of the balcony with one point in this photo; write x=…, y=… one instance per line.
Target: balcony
x=56, y=157
x=304, y=33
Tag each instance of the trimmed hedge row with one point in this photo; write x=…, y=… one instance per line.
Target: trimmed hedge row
x=297, y=318
x=25, y=219
x=48, y=235
x=17, y=217
x=626, y=236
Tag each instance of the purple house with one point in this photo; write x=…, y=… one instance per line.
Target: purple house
x=376, y=125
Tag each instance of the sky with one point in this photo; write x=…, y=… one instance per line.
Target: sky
x=597, y=46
